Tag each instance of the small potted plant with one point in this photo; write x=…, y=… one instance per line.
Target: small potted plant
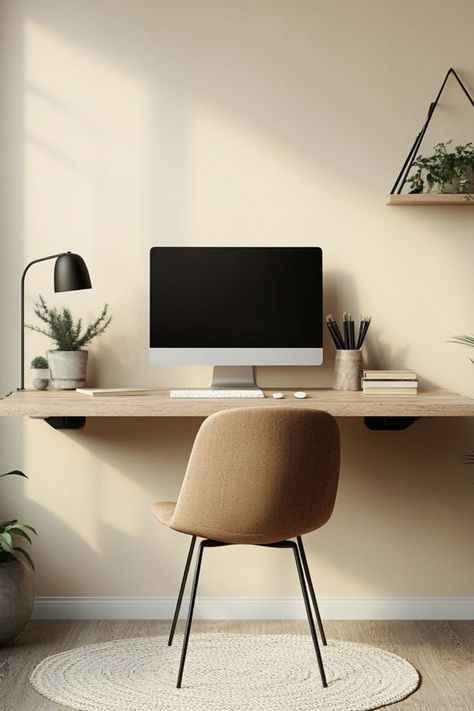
x=446, y=171
x=40, y=372
x=68, y=362
x=16, y=579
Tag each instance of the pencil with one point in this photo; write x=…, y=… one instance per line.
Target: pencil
x=337, y=342
x=361, y=328
x=333, y=335
x=351, y=333
x=337, y=331
x=346, y=331
x=366, y=328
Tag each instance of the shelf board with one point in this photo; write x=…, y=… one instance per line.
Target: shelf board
x=432, y=199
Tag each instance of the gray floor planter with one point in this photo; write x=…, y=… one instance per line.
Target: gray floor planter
x=68, y=369
x=16, y=598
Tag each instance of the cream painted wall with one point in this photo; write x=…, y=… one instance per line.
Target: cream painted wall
x=131, y=124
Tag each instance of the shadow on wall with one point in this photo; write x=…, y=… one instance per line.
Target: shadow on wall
x=103, y=479
x=389, y=516
x=403, y=518
x=56, y=537
x=96, y=531
x=12, y=259
x=65, y=563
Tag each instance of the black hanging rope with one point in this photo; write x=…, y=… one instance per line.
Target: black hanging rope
x=403, y=175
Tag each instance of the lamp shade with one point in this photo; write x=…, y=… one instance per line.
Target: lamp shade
x=71, y=273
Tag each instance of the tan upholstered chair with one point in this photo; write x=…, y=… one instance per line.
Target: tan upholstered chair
x=260, y=476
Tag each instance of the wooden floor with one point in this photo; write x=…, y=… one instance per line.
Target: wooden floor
x=443, y=652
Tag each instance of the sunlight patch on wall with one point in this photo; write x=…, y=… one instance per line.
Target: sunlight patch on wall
x=245, y=188
x=86, y=152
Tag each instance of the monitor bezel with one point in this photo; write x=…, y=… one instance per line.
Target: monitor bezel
x=275, y=356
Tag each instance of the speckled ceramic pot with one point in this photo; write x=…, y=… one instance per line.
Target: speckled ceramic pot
x=16, y=598
x=348, y=370
x=40, y=378
x=453, y=187
x=68, y=369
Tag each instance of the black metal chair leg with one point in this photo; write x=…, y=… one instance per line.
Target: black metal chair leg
x=181, y=590
x=309, y=614
x=311, y=589
x=189, y=622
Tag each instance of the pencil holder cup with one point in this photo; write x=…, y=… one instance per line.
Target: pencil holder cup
x=348, y=370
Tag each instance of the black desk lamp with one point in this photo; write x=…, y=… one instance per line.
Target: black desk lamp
x=70, y=274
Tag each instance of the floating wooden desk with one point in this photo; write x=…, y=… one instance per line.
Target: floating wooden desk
x=157, y=403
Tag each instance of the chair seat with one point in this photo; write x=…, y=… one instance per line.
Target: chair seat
x=164, y=510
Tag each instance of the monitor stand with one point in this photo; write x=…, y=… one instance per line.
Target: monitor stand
x=233, y=377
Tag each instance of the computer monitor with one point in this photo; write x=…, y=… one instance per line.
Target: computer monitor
x=236, y=306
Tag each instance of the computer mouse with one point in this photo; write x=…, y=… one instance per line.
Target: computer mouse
x=300, y=394
x=278, y=396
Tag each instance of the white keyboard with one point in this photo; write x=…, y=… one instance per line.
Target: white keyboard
x=214, y=392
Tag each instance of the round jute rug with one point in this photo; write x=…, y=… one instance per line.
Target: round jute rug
x=224, y=672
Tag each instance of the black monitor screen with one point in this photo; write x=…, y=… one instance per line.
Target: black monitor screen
x=236, y=297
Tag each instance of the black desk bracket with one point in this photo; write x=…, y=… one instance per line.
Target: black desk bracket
x=372, y=423
x=389, y=423
x=66, y=423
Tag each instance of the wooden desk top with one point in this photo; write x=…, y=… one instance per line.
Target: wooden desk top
x=157, y=403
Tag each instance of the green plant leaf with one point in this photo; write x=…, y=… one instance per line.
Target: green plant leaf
x=444, y=165
x=6, y=542
x=26, y=555
x=16, y=472
x=63, y=331
x=463, y=340
x=39, y=362
x=23, y=526
x=5, y=524
x=30, y=528
x=15, y=530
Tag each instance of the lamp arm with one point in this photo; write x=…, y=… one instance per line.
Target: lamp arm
x=22, y=314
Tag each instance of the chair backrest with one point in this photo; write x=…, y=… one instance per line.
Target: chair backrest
x=260, y=475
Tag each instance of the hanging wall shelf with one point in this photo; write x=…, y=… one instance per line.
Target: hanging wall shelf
x=432, y=199
x=396, y=195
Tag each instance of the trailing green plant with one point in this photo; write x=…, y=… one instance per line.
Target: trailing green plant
x=443, y=167
x=67, y=334
x=39, y=363
x=11, y=530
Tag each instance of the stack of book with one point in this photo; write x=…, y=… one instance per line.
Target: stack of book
x=389, y=382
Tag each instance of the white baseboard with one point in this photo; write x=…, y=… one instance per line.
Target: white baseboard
x=254, y=608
